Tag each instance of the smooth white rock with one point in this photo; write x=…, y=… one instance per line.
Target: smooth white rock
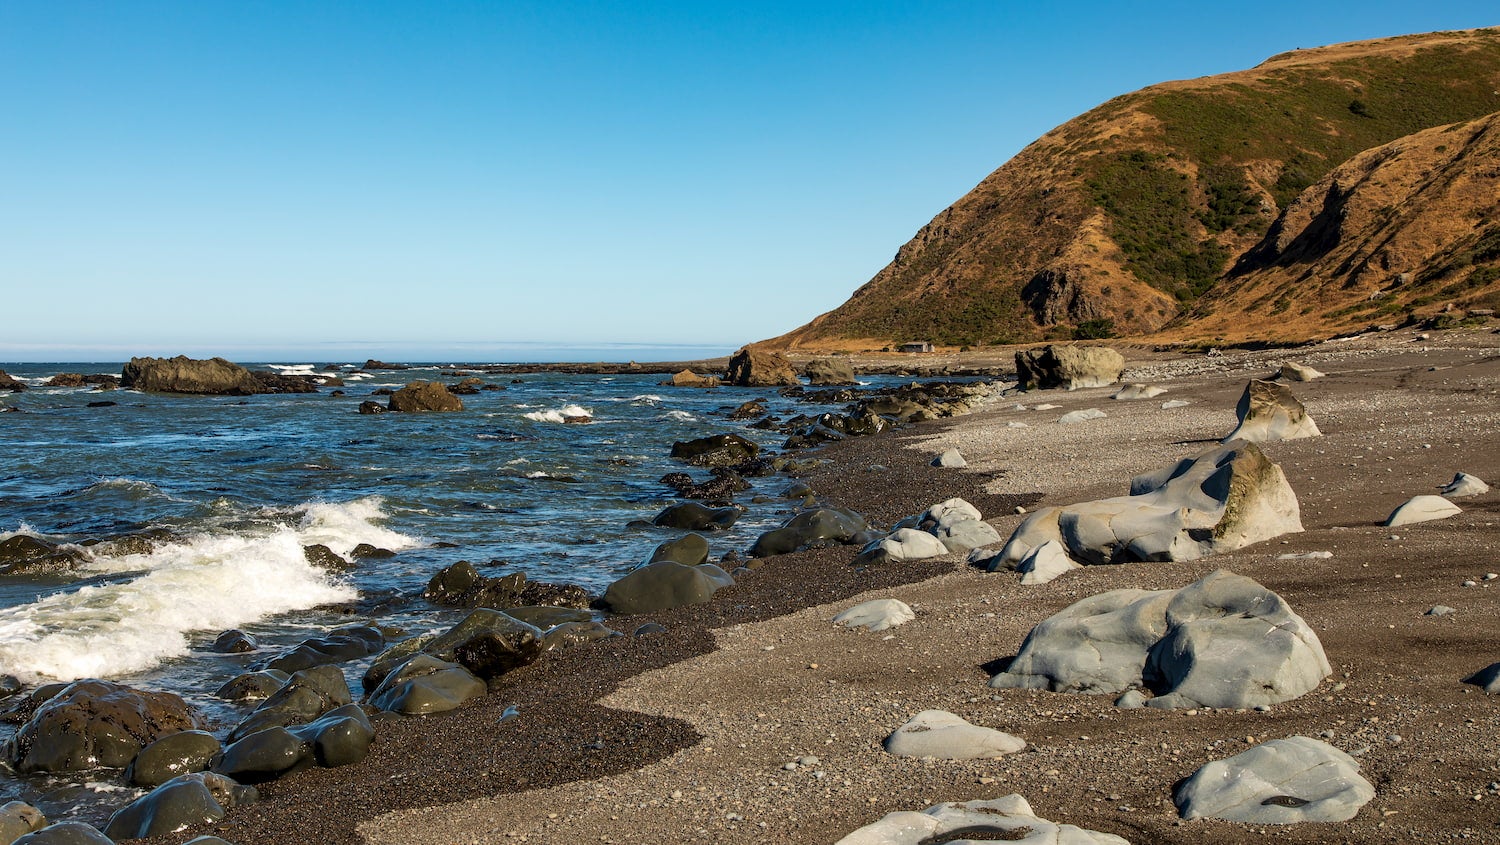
x=940, y=734
x=1422, y=509
x=1464, y=485
x=1045, y=563
x=1132, y=392
x=1009, y=814
x=876, y=615
x=1256, y=786
x=1081, y=416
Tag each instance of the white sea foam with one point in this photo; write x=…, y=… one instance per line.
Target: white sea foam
x=680, y=416
x=209, y=581
x=645, y=399
x=559, y=415
x=300, y=370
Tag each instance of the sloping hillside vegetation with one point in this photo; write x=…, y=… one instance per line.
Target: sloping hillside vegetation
x=1123, y=219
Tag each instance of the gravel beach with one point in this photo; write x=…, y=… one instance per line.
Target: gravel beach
x=752, y=719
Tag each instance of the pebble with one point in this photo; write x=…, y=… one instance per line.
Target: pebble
x=1491, y=576
x=1471, y=583
x=808, y=760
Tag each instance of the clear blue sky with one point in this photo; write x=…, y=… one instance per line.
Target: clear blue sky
x=436, y=179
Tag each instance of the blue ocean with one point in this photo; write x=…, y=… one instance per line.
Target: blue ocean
x=233, y=488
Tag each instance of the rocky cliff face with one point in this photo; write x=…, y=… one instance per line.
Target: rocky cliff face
x=1124, y=218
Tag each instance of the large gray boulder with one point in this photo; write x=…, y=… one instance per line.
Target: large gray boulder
x=91, y=724
x=945, y=736
x=212, y=377
x=1221, y=500
x=17, y=819
x=1464, y=485
x=752, y=367
x=424, y=397
x=1283, y=781
x=665, y=584
x=830, y=372
x=180, y=803
x=425, y=684
x=1008, y=818
x=1222, y=641
x=173, y=755
x=1487, y=679
x=1268, y=412
x=813, y=528
x=1068, y=367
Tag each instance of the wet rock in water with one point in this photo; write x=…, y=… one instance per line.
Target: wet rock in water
x=725, y=450
x=1268, y=412
x=751, y=367
x=17, y=819
x=544, y=617
x=1068, y=367
x=1222, y=641
x=814, y=528
x=376, y=364
x=91, y=724
x=101, y=380
x=753, y=409
x=1487, y=679
x=570, y=634
x=942, y=735
x=424, y=684
x=1422, y=509
x=665, y=584
x=307, y=695
x=365, y=551
x=876, y=615
x=950, y=459
x=1221, y=500
x=10, y=685
x=424, y=397
x=688, y=378
x=1007, y=818
x=11, y=383
x=369, y=407
x=234, y=641
x=1464, y=485
x=461, y=585
x=172, y=755
x=337, y=646
x=488, y=643
x=690, y=549
x=340, y=737
x=23, y=554
x=1134, y=392
x=178, y=804
x=827, y=372
x=1284, y=781
x=321, y=556
x=210, y=377
x=692, y=516
x=723, y=484
x=66, y=833
x=252, y=686
x=1298, y=372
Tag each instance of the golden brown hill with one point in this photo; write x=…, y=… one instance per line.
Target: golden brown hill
x=1121, y=219
x=1409, y=226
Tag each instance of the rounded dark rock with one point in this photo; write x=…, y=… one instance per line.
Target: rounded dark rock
x=663, y=585
x=176, y=754
x=234, y=641
x=690, y=549
x=692, y=516
x=92, y=723
x=66, y=833
x=424, y=684
x=178, y=804
x=252, y=686
x=715, y=450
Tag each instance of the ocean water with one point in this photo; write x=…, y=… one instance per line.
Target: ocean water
x=240, y=485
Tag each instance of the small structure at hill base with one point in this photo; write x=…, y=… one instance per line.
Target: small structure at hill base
x=1284, y=781
x=1009, y=818
x=1222, y=641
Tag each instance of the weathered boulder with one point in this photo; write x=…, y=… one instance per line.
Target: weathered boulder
x=690, y=549
x=103, y=381
x=752, y=367
x=1082, y=415
x=377, y=364
x=23, y=554
x=17, y=819
x=211, y=377
x=814, y=528
x=569, y=634
x=234, y=641
x=1220, y=500
x=692, y=516
x=950, y=459
x=1464, y=485
x=252, y=686
x=1422, y=509
x=723, y=484
x=1487, y=679
x=1284, y=781
x=425, y=684
x=1008, y=818
x=830, y=372
x=11, y=383
x=904, y=544
x=1045, y=563
x=461, y=585
x=1134, y=392
x=1068, y=367
x=876, y=615
x=1269, y=412
x=425, y=396
x=90, y=724
x=1222, y=641
x=369, y=407
x=178, y=804
x=318, y=554
x=66, y=833
x=172, y=755
x=337, y=646
x=663, y=585
x=688, y=378
x=940, y=734
x=487, y=642
x=721, y=450
x=337, y=738
x=1292, y=371
x=305, y=696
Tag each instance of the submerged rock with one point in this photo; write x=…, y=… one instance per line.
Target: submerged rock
x=337, y=646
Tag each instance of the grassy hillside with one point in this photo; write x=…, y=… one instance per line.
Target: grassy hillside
x=1123, y=218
